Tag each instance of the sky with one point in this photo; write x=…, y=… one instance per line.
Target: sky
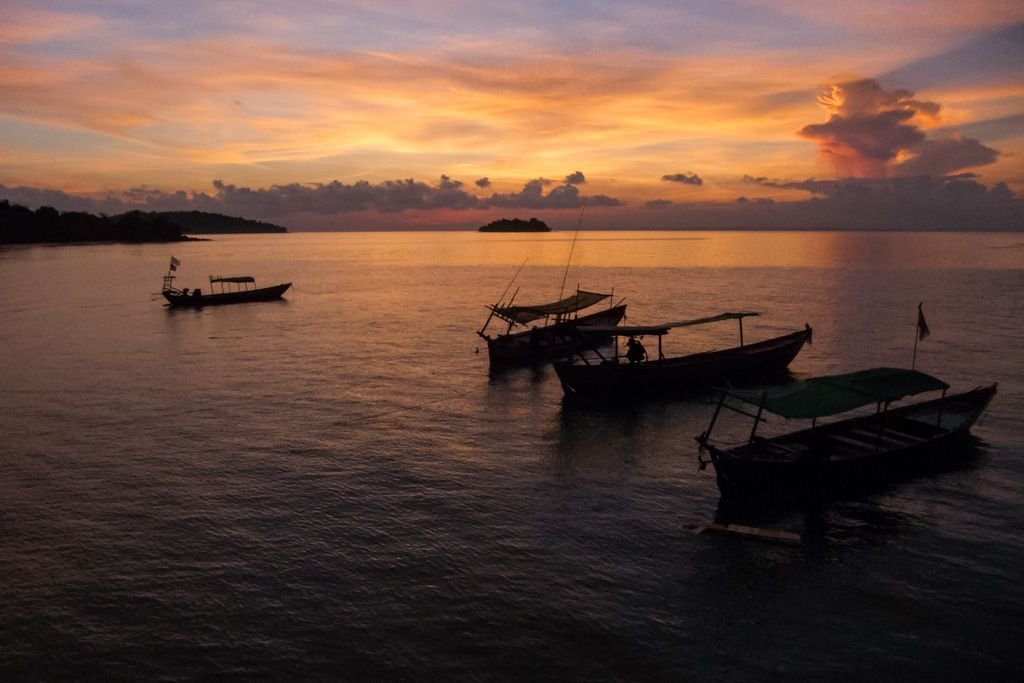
x=360, y=114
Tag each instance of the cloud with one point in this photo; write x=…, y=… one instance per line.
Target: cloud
x=566, y=196
x=939, y=157
x=873, y=132
x=685, y=178
x=449, y=184
x=958, y=202
x=482, y=182
x=920, y=202
x=576, y=178
x=532, y=197
x=868, y=126
x=388, y=197
x=603, y=200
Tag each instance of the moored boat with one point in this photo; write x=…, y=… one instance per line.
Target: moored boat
x=593, y=374
x=854, y=450
x=556, y=337
x=223, y=290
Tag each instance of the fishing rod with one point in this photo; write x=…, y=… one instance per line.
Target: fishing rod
x=509, y=285
x=571, y=248
x=500, y=298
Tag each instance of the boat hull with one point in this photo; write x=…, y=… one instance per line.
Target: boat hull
x=178, y=300
x=681, y=374
x=547, y=343
x=853, y=452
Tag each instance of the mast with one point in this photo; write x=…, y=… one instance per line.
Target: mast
x=571, y=248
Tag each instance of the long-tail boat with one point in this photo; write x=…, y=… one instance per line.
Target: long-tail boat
x=593, y=374
x=223, y=290
x=856, y=450
x=556, y=337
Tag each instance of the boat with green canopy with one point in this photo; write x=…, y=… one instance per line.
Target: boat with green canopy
x=556, y=336
x=848, y=450
x=593, y=373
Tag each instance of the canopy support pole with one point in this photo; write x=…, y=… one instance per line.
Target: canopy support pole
x=757, y=419
x=703, y=439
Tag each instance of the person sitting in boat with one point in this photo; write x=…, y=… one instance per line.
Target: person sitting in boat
x=196, y=293
x=635, y=351
x=534, y=338
x=184, y=292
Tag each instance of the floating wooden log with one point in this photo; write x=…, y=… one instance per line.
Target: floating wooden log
x=777, y=535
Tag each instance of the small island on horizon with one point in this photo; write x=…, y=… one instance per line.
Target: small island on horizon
x=515, y=225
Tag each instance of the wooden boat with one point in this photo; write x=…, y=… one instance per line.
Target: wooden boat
x=556, y=337
x=593, y=374
x=223, y=290
x=847, y=452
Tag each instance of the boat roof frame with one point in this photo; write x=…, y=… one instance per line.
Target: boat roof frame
x=663, y=329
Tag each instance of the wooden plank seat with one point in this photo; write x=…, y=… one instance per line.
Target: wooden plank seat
x=888, y=438
x=920, y=430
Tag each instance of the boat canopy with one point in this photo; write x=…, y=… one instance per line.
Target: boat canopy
x=570, y=304
x=659, y=330
x=233, y=279
x=834, y=394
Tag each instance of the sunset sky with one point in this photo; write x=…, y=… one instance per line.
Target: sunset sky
x=655, y=114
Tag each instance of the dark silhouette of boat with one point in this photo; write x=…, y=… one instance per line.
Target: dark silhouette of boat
x=849, y=452
x=223, y=290
x=590, y=374
x=556, y=337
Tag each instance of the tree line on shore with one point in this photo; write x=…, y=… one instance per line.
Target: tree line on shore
x=21, y=225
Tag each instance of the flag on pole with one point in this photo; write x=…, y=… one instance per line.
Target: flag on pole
x=922, y=326
x=175, y=263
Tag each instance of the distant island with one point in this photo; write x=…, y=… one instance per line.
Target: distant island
x=515, y=225
x=203, y=223
x=46, y=225
x=21, y=225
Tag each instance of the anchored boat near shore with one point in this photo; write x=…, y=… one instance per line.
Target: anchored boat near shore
x=593, y=374
x=223, y=290
x=849, y=451
x=556, y=337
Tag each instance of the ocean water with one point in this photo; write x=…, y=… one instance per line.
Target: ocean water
x=334, y=486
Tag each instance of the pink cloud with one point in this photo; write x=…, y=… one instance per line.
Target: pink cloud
x=872, y=132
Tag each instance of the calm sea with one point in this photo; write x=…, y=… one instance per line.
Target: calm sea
x=333, y=486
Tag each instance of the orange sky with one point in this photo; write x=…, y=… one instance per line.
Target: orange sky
x=103, y=99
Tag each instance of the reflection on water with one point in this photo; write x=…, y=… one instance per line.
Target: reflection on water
x=335, y=486
x=861, y=511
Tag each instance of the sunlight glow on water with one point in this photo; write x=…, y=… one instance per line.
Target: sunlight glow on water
x=334, y=486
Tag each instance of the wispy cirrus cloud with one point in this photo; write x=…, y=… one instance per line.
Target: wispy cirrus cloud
x=340, y=105
x=214, y=103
